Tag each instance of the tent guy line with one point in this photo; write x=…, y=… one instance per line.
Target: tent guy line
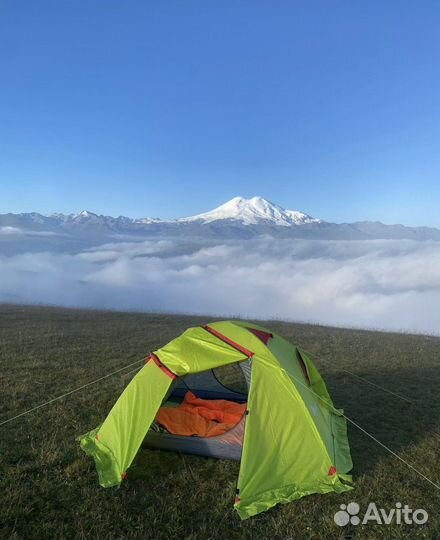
x=367, y=381
x=73, y=391
x=129, y=365
x=387, y=390
x=269, y=368
x=355, y=424
x=143, y=359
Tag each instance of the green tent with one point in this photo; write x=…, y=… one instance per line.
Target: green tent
x=291, y=441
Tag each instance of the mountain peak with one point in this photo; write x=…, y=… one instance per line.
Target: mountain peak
x=253, y=211
x=86, y=214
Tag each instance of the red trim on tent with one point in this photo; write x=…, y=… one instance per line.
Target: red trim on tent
x=159, y=364
x=123, y=475
x=303, y=367
x=236, y=346
x=332, y=470
x=148, y=359
x=261, y=334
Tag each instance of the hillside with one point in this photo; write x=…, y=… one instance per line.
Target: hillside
x=49, y=488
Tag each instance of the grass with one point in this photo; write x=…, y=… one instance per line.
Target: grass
x=49, y=488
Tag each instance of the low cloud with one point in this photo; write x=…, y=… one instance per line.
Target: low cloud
x=386, y=284
x=7, y=230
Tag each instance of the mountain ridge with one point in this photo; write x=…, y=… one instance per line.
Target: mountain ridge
x=236, y=219
x=296, y=217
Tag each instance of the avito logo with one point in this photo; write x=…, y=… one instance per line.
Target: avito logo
x=400, y=514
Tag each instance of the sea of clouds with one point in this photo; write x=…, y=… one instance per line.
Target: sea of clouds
x=384, y=284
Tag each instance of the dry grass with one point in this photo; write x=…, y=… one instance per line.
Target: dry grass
x=49, y=489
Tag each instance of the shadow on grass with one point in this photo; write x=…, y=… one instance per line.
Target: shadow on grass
x=397, y=423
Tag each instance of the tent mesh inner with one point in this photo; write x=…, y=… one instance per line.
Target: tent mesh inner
x=232, y=379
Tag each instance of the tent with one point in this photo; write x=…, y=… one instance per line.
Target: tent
x=290, y=442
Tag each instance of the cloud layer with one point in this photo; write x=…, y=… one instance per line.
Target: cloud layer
x=386, y=284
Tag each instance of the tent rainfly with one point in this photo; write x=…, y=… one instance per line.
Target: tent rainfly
x=290, y=441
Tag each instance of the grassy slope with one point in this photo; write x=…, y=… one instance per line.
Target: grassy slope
x=48, y=488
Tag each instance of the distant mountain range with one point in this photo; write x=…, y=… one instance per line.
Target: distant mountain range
x=237, y=218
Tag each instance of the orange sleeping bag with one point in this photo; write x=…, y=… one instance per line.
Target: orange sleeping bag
x=201, y=417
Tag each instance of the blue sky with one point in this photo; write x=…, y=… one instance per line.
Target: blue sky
x=171, y=108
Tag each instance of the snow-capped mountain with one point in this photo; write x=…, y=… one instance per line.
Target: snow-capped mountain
x=252, y=211
x=83, y=218
x=238, y=218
